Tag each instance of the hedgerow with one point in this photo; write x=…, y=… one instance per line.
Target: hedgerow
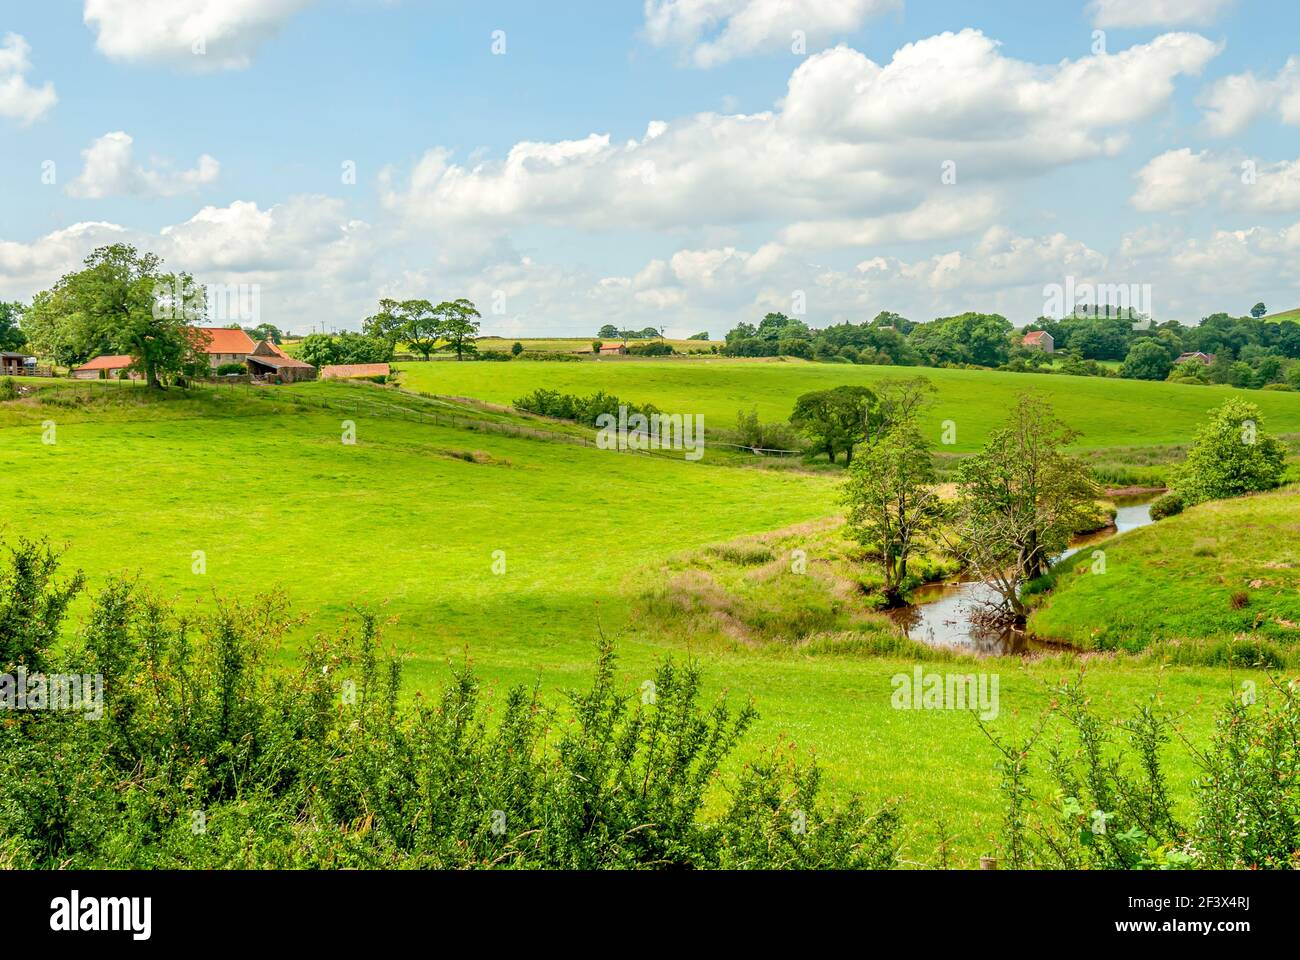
x=206, y=755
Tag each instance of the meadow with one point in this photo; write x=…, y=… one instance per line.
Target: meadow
x=582, y=344
x=1107, y=412
x=411, y=518
x=1221, y=570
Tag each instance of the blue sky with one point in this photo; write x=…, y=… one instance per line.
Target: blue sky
x=774, y=172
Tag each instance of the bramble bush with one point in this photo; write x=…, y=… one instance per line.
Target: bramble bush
x=206, y=756
x=1111, y=809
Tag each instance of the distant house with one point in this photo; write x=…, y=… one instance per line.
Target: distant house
x=106, y=368
x=1202, y=358
x=224, y=345
x=342, y=371
x=270, y=362
x=608, y=349
x=1039, y=340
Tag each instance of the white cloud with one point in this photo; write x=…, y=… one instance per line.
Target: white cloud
x=1180, y=180
x=712, y=32
x=957, y=88
x=1156, y=13
x=1234, y=102
x=313, y=264
x=946, y=214
x=1175, y=180
x=308, y=259
x=110, y=170
x=195, y=34
x=19, y=100
x=851, y=140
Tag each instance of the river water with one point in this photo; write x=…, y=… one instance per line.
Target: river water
x=943, y=614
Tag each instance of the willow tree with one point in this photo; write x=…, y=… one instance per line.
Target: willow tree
x=1020, y=500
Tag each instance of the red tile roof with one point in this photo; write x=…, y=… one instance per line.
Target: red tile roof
x=1034, y=337
x=114, y=362
x=354, y=370
x=223, y=340
x=280, y=362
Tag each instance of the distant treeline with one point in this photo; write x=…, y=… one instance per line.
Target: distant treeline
x=1247, y=351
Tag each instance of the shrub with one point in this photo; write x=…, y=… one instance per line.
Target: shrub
x=231, y=368
x=1111, y=807
x=766, y=436
x=584, y=410
x=8, y=389
x=656, y=348
x=1167, y=505
x=551, y=356
x=516, y=348
x=327, y=767
x=1230, y=456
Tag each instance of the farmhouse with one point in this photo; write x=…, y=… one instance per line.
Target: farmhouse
x=609, y=349
x=1202, y=358
x=223, y=345
x=1039, y=340
x=270, y=362
x=341, y=371
x=106, y=368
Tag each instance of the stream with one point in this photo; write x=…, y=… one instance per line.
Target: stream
x=941, y=613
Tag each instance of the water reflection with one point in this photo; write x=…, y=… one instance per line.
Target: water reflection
x=948, y=614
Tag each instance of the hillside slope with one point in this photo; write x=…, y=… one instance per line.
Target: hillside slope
x=1222, y=570
x=1108, y=412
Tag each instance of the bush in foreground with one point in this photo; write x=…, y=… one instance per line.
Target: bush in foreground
x=1111, y=807
x=207, y=757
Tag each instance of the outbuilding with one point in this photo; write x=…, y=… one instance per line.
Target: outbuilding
x=268, y=361
x=13, y=364
x=343, y=371
x=106, y=368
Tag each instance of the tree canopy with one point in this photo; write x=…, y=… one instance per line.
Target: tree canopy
x=121, y=301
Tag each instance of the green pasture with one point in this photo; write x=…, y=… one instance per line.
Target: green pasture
x=1107, y=412
x=411, y=517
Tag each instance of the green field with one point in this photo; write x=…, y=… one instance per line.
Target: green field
x=1224, y=569
x=583, y=344
x=410, y=517
x=1108, y=413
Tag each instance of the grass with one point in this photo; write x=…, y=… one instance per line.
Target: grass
x=583, y=344
x=1108, y=412
x=1220, y=572
x=1284, y=315
x=411, y=518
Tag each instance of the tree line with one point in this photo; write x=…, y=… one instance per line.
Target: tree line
x=1248, y=351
